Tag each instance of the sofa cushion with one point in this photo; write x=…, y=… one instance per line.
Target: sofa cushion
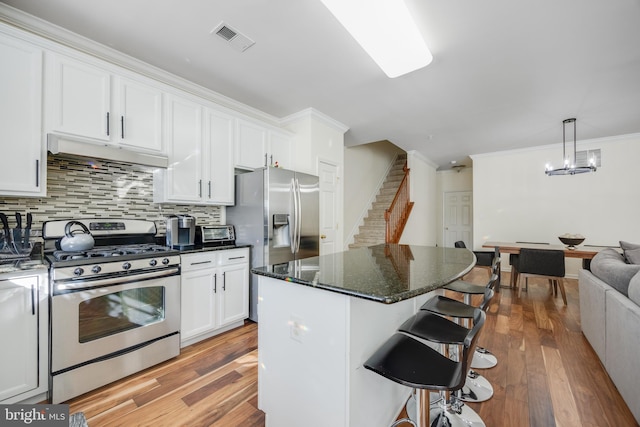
x=634, y=288
x=609, y=266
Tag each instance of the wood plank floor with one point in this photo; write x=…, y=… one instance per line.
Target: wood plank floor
x=547, y=374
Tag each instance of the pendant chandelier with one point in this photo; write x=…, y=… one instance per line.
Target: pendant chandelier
x=569, y=167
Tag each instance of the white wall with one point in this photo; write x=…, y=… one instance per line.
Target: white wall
x=421, y=228
x=447, y=181
x=515, y=201
x=365, y=169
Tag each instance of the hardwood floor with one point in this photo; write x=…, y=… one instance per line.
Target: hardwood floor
x=547, y=374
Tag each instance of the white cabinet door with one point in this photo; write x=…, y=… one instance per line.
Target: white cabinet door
x=21, y=173
x=280, y=151
x=184, y=145
x=233, y=301
x=251, y=145
x=218, y=162
x=19, y=332
x=80, y=99
x=139, y=120
x=198, y=303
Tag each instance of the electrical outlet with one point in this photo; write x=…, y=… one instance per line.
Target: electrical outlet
x=297, y=329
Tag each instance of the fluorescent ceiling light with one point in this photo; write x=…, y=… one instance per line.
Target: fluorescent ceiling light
x=386, y=31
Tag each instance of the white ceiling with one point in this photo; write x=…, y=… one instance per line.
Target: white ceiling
x=504, y=75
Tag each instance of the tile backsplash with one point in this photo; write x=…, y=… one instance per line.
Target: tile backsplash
x=87, y=188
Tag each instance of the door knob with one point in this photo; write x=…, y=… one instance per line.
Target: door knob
x=322, y=236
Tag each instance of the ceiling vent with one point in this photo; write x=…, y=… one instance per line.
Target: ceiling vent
x=237, y=40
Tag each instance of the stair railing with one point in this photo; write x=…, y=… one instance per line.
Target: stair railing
x=397, y=215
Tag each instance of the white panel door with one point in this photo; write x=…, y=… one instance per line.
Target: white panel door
x=251, y=145
x=139, y=123
x=184, y=143
x=19, y=332
x=329, y=222
x=458, y=218
x=198, y=303
x=81, y=99
x=20, y=118
x=233, y=293
x=218, y=162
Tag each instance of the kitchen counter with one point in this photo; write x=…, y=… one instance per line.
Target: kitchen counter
x=381, y=273
x=24, y=266
x=202, y=248
x=321, y=318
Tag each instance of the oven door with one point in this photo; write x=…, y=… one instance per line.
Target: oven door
x=93, y=323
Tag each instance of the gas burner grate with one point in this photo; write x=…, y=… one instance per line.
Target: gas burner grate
x=110, y=251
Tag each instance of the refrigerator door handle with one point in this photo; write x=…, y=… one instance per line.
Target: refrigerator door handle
x=292, y=218
x=299, y=218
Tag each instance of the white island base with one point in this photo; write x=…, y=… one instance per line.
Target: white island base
x=312, y=344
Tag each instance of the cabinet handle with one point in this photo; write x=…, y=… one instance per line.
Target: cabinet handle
x=224, y=281
x=37, y=173
x=236, y=257
x=215, y=283
x=201, y=262
x=108, y=122
x=33, y=300
x=271, y=158
x=200, y=188
x=265, y=159
x=209, y=189
x=122, y=127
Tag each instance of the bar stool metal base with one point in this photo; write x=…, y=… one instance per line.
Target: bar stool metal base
x=467, y=418
x=476, y=389
x=483, y=359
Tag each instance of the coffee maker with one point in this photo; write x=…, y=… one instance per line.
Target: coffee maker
x=181, y=231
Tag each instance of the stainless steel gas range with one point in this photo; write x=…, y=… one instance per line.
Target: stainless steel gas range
x=115, y=308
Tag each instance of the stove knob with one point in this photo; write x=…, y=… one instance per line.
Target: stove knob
x=96, y=269
x=126, y=265
x=78, y=271
x=165, y=261
x=153, y=263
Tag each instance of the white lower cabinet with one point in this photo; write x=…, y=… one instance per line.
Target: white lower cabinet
x=215, y=293
x=23, y=328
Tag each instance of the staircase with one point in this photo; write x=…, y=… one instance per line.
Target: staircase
x=372, y=232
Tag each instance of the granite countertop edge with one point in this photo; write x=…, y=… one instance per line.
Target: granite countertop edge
x=384, y=299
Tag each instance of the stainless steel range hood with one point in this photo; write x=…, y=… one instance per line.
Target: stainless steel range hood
x=58, y=144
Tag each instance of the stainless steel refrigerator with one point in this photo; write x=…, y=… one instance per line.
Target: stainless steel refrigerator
x=277, y=212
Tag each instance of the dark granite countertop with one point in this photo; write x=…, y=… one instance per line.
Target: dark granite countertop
x=381, y=273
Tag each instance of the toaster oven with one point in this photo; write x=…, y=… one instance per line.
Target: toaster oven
x=215, y=235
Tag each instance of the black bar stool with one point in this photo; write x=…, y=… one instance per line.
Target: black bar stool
x=407, y=361
x=477, y=387
x=483, y=358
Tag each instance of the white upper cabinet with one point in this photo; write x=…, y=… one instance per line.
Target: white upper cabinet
x=181, y=182
x=88, y=99
x=200, y=155
x=258, y=145
x=139, y=123
x=218, y=161
x=24, y=166
x=251, y=145
x=280, y=150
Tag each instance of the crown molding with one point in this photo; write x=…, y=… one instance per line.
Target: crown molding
x=418, y=155
x=317, y=115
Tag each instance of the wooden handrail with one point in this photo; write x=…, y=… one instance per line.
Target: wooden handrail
x=397, y=215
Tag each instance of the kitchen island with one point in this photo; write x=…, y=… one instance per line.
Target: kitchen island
x=320, y=319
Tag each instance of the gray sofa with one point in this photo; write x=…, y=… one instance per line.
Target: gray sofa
x=610, y=319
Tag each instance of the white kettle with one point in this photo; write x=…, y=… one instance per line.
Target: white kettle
x=76, y=240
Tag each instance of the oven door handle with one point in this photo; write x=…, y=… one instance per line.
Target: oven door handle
x=115, y=280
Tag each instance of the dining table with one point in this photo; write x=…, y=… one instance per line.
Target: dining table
x=584, y=252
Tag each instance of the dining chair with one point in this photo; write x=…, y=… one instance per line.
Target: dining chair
x=513, y=262
x=484, y=259
x=546, y=263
